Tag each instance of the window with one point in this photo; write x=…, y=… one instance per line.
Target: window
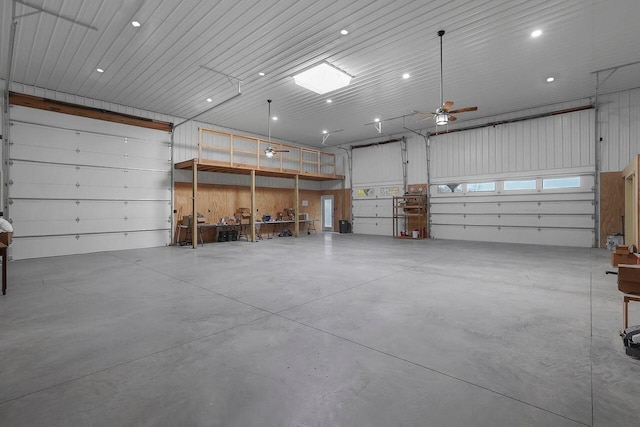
x=528, y=184
x=365, y=192
x=481, y=186
x=450, y=188
x=568, y=182
x=389, y=191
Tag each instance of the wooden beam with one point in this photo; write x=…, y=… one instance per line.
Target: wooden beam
x=253, y=206
x=296, y=203
x=89, y=112
x=194, y=196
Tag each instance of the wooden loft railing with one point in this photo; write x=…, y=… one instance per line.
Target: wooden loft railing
x=226, y=152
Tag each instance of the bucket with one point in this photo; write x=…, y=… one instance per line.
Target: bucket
x=416, y=234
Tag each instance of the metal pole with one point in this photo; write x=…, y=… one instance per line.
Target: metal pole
x=6, y=125
x=427, y=140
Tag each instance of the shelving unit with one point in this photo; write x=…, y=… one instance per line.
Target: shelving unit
x=409, y=214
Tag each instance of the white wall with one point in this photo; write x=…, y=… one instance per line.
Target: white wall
x=619, y=121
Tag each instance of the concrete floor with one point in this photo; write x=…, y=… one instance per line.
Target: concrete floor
x=323, y=330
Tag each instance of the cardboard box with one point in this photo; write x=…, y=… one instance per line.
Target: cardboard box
x=622, y=249
x=627, y=258
x=6, y=238
x=629, y=278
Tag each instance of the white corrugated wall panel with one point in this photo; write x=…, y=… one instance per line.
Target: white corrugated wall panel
x=563, y=141
x=417, y=157
x=619, y=120
x=377, y=164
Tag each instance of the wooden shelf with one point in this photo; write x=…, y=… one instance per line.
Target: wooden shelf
x=409, y=214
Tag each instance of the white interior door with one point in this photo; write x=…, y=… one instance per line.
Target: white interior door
x=327, y=213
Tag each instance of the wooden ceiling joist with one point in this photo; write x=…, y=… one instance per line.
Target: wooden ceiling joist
x=89, y=112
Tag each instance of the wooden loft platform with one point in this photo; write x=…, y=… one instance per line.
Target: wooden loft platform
x=205, y=165
x=230, y=153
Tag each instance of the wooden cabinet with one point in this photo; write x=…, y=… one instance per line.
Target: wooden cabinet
x=410, y=216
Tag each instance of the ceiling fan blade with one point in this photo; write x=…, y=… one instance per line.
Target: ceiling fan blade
x=425, y=118
x=447, y=105
x=464, y=110
x=452, y=118
x=423, y=112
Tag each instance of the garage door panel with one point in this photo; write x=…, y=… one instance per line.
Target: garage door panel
x=381, y=207
x=568, y=221
x=375, y=226
x=36, y=180
x=555, y=237
x=577, y=207
x=69, y=245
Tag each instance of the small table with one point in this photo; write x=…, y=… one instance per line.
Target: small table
x=3, y=252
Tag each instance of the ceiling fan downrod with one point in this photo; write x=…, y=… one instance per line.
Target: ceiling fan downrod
x=440, y=34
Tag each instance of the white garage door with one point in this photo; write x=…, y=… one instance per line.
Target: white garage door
x=79, y=185
x=551, y=210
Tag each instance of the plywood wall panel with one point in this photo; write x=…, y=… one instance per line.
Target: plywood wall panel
x=611, y=204
x=216, y=201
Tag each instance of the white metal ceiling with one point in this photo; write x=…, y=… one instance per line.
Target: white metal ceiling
x=490, y=60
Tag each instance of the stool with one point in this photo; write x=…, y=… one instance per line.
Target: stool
x=625, y=309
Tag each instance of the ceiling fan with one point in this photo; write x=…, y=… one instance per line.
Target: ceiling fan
x=443, y=114
x=270, y=151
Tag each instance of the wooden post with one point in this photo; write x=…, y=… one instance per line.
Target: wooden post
x=253, y=205
x=194, y=197
x=296, y=207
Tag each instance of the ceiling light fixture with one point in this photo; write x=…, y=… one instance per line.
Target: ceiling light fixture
x=274, y=118
x=100, y=70
x=261, y=74
x=377, y=124
x=329, y=101
x=209, y=100
x=344, y=32
x=441, y=117
x=550, y=79
x=536, y=33
x=269, y=152
x=322, y=78
x=135, y=24
x=406, y=75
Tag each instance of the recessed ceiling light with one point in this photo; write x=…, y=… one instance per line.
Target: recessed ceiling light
x=376, y=120
x=135, y=23
x=344, y=32
x=261, y=74
x=274, y=118
x=329, y=101
x=209, y=100
x=406, y=75
x=100, y=70
x=322, y=78
x=536, y=33
x=550, y=79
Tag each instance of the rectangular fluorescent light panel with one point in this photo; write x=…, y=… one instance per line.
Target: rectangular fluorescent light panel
x=322, y=78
